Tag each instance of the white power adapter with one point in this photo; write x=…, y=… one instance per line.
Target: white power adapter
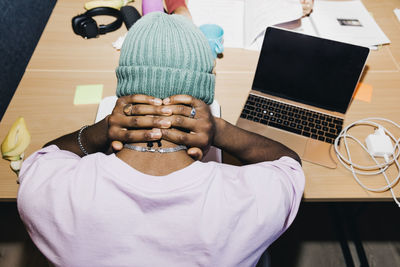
x=379, y=144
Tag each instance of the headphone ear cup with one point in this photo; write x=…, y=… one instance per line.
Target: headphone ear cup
x=85, y=26
x=76, y=23
x=90, y=28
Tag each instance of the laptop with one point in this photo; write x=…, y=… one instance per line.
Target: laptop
x=301, y=90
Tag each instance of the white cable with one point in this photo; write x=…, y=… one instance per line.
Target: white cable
x=379, y=168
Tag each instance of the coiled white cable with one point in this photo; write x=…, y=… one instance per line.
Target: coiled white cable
x=379, y=168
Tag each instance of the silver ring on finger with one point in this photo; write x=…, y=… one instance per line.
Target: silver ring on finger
x=192, y=113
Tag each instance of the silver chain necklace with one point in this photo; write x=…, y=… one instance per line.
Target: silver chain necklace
x=154, y=150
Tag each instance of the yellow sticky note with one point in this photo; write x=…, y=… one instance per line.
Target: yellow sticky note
x=363, y=92
x=88, y=94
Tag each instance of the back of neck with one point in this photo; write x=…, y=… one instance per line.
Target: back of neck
x=155, y=163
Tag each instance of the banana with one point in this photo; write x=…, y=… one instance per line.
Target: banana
x=117, y=4
x=14, y=158
x=16, y=141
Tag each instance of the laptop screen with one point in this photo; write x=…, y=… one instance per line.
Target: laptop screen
x=309, y=70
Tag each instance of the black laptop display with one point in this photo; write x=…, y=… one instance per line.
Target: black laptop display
x=314, y=71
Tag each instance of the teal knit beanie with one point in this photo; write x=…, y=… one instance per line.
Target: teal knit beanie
x=166, y=55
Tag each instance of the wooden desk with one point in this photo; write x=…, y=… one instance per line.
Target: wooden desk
x=63, y=60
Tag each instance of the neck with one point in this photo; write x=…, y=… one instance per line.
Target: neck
x=154, y=163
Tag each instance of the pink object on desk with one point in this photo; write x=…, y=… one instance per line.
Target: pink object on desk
x=174, y=4
x=149, y=6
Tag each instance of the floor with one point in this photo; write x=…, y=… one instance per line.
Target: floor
x=341, y=234
x=16, y=248
x=323, y=234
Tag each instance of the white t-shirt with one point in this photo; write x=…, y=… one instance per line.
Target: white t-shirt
x=99, y=211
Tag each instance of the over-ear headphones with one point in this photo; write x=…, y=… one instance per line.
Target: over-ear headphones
x=85, y=26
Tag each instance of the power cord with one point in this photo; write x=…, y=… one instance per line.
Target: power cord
x=378, y=144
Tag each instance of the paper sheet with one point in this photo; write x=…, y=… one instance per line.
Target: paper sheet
x=226, y=13
x=262, y=13
x=244, y=20
x=346, y=21
x=397, y=13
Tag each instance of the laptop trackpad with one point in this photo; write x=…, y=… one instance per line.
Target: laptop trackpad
x=294, y=142
x=320, y=153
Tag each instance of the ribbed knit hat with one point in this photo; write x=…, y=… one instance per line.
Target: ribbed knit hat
x=165, y=55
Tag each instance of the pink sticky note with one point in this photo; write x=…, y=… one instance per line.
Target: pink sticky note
x=363, y=92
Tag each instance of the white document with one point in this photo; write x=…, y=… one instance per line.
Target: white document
x=244, y=21
x=105, y=108
x=107, y=104
x=259, y=14
x=344, y=21
x=397, y=13
x=226, y=13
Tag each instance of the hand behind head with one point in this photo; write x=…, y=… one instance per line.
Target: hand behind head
x=141, y=118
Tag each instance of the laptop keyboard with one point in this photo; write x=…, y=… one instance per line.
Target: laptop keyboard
x=291, y=118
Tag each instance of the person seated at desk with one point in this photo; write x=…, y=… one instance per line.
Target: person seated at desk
x=142, y=208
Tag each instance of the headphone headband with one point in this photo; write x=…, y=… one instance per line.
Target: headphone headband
x=85, y=26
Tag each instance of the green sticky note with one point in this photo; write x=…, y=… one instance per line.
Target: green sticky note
x=88, y=94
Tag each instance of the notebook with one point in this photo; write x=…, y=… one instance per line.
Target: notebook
x=301, y=90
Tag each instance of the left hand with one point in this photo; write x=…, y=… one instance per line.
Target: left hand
x=200, y=129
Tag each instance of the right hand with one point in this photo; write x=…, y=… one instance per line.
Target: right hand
x=128, y=122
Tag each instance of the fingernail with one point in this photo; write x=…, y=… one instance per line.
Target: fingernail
x=157, y=101
x=165, y=123
x=166, y=100
x=166, y=110
x=116, y=145
x=155, y=133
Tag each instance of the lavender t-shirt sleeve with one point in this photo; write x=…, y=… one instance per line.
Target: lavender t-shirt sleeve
x=293, y=179
x=52, y=152
x=278, y=187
